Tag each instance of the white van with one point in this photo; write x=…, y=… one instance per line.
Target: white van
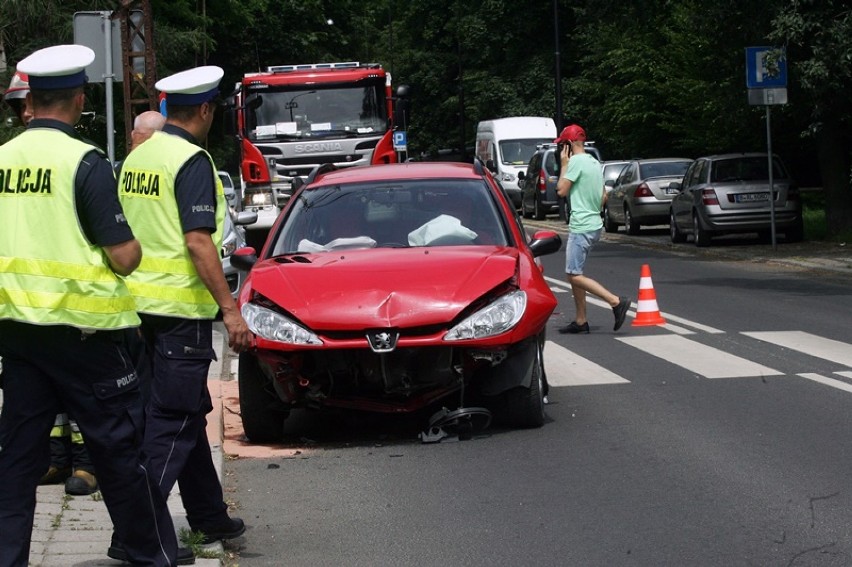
x=505, y=146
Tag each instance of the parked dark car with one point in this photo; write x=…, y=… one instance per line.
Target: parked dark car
x=641, y=193
x=389, y=288
x=723, y=194
x=538, y=184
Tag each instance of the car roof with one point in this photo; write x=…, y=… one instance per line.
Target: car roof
x=392, y=171
x=735, y=155
x=663, y=160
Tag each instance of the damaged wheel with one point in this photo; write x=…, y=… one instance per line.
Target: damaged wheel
x=524, y=407
x=262, y=413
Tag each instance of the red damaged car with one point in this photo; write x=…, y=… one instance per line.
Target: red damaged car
x=391, y=287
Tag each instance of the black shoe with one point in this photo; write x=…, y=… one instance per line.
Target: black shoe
x=184, y=554
x=229, y=529
x=620, y=312
x=573, y=328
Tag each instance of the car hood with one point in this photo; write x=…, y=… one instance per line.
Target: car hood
x=361, y=289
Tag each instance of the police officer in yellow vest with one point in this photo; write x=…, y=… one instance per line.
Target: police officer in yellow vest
x=172, y=197
x=69, y=460
x=64, y=310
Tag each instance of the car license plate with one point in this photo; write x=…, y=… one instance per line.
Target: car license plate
x=751, y=197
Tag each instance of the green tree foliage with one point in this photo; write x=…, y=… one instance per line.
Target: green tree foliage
x=818, y=36
x=645, y=77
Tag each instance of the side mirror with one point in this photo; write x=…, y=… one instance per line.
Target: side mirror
x=244, y=258
x=489, y=164
x=676, y=186
x=401, y=107
x=521, y=175
x=297, y=183
x=543, y=242
x=610, y=183
x=245, y=218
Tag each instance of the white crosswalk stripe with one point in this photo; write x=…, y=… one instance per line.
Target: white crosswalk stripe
x=565, y=368
x=814, y=345
x=834, y=383
x=701, y=359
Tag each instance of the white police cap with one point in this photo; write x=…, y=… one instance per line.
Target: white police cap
x=57, y=67
x=191, y=87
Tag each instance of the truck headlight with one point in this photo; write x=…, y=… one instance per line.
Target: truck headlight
x=493, y=319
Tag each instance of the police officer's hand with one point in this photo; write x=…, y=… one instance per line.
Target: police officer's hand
x=239, y=336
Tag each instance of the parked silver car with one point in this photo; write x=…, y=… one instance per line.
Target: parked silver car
x=610, y=170
x=233, y=239
x=231, y=195
x=729, y=193
x=641, y=193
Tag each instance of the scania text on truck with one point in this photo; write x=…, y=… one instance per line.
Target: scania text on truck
x=291, y=119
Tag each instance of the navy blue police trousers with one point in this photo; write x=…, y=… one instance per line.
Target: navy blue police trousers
x=48, y=367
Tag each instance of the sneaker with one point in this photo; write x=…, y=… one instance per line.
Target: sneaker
x=184, y=554
x=573, y=328
x=55, y=475
x=81, y=483
x=228, y=529
x=620, y=312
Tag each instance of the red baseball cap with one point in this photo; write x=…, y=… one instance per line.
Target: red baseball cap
x=572, y=133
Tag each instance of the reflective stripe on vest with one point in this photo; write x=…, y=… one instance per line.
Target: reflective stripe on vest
x=166, y=282
x=49, y=272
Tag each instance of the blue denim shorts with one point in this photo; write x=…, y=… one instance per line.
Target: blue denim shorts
x=577, y=249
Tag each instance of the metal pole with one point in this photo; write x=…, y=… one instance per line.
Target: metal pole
x=558, y=67
x=108, y=79
x=771, y=181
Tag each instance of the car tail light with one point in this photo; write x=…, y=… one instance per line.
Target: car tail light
x=793, y=193
x=708, y=197
x=643, y=191
x=542, y=181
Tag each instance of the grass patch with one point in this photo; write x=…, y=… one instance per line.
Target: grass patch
x=195, y=542
x=813, y=215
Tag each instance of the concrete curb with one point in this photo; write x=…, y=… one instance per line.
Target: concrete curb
x=76, y=530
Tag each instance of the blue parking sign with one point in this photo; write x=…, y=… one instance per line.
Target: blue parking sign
x=766, y=67
x=399, y=141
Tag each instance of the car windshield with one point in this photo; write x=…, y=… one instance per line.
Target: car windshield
x=663, y=169
x=317, y=112
x=519, y=152
x=753, y=168
x=392, y=214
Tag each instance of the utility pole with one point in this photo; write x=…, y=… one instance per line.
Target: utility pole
x=138, y=63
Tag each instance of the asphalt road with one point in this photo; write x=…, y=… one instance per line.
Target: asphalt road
x=722, y=438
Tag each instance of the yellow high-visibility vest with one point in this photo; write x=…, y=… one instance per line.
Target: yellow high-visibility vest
x=166, y=282
x=50, y=274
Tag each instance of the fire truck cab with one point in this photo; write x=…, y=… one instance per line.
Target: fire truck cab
x=291, y=119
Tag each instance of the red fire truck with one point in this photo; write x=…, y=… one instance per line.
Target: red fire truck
x=293, y=118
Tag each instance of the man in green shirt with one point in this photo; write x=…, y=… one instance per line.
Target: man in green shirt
x=582, y=183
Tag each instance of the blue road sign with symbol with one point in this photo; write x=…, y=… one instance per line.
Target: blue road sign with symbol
x=766, y=67
x=399, y=141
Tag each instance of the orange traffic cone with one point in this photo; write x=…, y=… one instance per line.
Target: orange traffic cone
x=647, y=312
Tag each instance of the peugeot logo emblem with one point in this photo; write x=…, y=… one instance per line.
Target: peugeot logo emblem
x=383, y=341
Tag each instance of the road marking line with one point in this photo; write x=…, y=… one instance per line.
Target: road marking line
x=704, y=360
x=565, y=368
x=840, y=385
x=845, y=374
x=559, y=286
x=814, y=345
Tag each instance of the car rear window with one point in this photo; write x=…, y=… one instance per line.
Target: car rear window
x=663, y=169
x=753, y=168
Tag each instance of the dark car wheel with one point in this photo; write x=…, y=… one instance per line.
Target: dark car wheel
x=702, y=236
x=538, y=211
x=524, y=407
x=630, y=224
x=262, y=413
x=609, y=224
x=674, y=231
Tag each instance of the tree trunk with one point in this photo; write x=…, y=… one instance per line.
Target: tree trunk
x=835, y=162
